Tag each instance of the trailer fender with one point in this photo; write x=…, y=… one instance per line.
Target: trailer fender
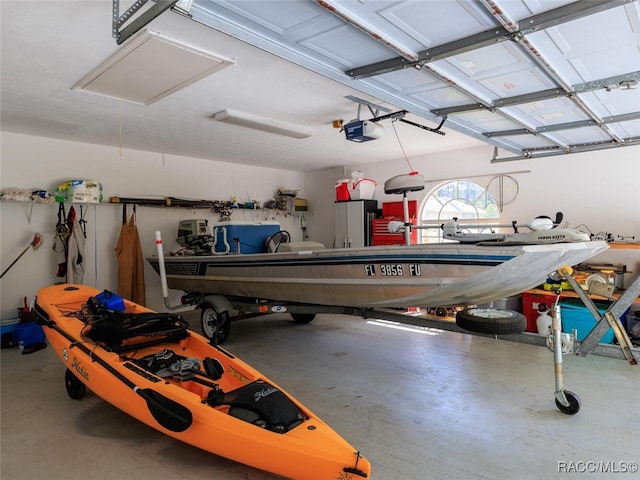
x=220, y=303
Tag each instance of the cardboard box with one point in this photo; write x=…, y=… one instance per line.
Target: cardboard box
x=300, y=205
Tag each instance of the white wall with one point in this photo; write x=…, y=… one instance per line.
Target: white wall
x=35, y=162
x=598, y=189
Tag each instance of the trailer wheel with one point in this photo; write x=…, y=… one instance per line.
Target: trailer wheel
x=215, y=326
x=574, y=403
x=303, y=318
x=491, y=321
x=75, y=388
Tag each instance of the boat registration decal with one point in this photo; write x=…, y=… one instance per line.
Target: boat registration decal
x=80, y=368
x=392, y=269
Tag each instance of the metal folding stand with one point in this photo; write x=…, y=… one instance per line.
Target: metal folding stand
x=610, y=319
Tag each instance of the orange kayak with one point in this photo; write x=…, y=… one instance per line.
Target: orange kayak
x=151, y=366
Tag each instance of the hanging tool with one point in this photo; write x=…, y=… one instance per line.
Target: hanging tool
x=38, y=240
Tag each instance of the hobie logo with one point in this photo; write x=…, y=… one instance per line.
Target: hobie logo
x=264, y=393
x=75, y=363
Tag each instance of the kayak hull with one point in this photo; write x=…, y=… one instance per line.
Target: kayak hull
x=178, y=408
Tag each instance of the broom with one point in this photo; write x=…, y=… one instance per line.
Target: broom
x=38, y=239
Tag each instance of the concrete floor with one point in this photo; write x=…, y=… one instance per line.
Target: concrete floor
x=419, y=404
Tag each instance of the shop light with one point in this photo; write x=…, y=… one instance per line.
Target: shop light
x=261, y=123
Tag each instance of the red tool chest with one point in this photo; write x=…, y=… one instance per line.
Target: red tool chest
x=393, y=211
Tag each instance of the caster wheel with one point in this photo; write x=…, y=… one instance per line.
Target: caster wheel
x=75, y=388
x=574, y=403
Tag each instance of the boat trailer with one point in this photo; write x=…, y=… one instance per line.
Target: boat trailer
x=219, y=310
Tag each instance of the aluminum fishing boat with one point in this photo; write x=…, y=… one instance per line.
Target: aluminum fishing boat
x=428, y=275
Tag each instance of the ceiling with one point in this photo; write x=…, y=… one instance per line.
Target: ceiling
x=531, y=77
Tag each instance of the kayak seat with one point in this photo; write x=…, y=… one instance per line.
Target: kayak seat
x=261, y=404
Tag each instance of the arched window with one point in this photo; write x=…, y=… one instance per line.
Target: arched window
x=461, y=199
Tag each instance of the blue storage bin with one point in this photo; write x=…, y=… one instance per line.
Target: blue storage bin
x=7, y=332
x=252, y=236
x=27, y=334
x=575, y=315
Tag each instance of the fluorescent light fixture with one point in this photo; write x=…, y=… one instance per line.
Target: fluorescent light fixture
x=148, y=67
x=261, y=123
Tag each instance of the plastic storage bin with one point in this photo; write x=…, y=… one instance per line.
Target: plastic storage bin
x=27, y=334
x=576, y=316
x=362, y=189
x=342, y=191
x=7, y=332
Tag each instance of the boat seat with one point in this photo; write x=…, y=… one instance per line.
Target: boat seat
x=306, y=246
x=273, y=242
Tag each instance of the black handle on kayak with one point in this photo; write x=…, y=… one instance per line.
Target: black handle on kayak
x=168, y=413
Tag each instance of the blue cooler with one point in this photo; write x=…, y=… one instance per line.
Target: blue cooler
x=251, y=235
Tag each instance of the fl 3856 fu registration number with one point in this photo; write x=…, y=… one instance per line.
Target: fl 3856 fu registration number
x=392, y=270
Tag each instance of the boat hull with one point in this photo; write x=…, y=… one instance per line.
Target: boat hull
x=421, y=275
x=309, y=450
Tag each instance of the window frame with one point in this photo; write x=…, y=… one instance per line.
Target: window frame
x=434, y=235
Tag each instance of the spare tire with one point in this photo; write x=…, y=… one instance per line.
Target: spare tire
x=491, y=320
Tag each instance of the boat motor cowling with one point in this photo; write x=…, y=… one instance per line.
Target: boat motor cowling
x=194, y=235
